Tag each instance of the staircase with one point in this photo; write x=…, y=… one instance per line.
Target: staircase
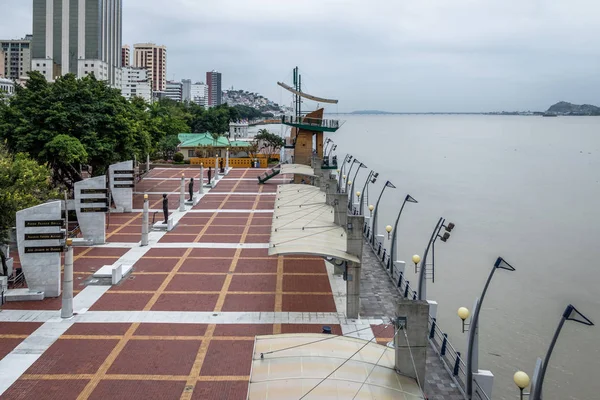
x=269, y=174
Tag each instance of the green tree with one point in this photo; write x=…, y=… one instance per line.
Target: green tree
x=167, y=146
x=270, y=143
x=109, y=127
x=23, y=183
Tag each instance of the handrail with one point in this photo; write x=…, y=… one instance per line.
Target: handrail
x=479, y=391
x=451, y=359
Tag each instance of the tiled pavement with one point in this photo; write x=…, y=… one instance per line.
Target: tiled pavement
x=182, y=325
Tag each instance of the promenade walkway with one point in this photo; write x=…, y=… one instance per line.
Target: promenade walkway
x=182, y=325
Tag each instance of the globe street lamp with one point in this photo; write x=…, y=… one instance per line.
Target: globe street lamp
x=347, y=159
x=538, y=378
x=472, y=351
x=374, y=224
x=422, y=286
x=354, y=180
x=407, y=199
x=521, y=379
x=416, y=259
x=388, y=229
x=349, y=172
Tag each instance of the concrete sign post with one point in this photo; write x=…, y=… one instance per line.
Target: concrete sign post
x=201, y=189
x=40, y=235
x=121, y=185
x=67, y=295
x=145, y=222
x=91, y=206
x=217, y=169
x=182, y=194
x=147, y=163
x=227, y=161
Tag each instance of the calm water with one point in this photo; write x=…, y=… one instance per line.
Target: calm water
x=524, y=188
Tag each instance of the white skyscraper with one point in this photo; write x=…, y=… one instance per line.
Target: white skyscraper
x=78, y=36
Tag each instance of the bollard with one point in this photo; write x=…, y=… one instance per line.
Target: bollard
x=456, y=364
x=147, y=163
x=406, y=290
x=145, y=222
x=444, y=345
x=227, y=160
x=400, y=279
x=201, y=190
x=182, y=194
x=432, y=331
x=414, y=294
x=67, y=295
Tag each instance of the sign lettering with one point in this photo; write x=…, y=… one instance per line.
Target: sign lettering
x=91, y=210
x=124, y=179
x=44, y=223
x=102, y=200
x=123, y=171
x=124, y=186
x=44, y=236
x=44, y=249
x=94, y=191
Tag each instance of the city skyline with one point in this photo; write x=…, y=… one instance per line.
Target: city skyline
x=464, y=56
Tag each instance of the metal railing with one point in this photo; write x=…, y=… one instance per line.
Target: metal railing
x=451, y=359
x=324, y=123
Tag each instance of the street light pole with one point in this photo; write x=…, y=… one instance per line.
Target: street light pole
x=346, y=160
x=539, y=380
x=471, y=357
x=422, y=287
x=349, y=171
x=353, y=182
x=374, y=230
x=409, y=199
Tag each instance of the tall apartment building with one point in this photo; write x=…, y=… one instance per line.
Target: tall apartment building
x=213, y=81
x=125, y=56
x=16, y=60
x=2, y=63
x=174, y=90
x=186, y=92
x=199, y=93
x=78, y=36
x=154, y=59
x=136, y=83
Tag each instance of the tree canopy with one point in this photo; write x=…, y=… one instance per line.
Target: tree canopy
x=269, y=143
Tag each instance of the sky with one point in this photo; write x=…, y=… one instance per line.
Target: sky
x=391, y=55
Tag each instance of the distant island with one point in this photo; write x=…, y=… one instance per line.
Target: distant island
x=560, y=108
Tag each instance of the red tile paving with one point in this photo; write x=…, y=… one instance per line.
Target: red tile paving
x=228, y=230
x=176, y=238
x=186, y=302
x=253, y=283
x=121, y=302
x=257, y=239
x=8, y=344
x=51, y=303
x=255, y=253
x=67, y=389
x=156, y=357
x=247, y=265
x=162, y=252
x=138, y=390
x=155, y=264
x=206, y=265
x=230, y=390
x=306, y=283
x=220, y=239
x=249, y=302
x=123, y=238
x=68, y=356
x=102, y=251
x=96, y=329
x=308, y=303
x=228, y=357
x=243, y=329
x=306, y=266
x=205, y=283
x=85, y=264
x=139, y=282
x=18, y=328
x=209, y=252
x=170, y=330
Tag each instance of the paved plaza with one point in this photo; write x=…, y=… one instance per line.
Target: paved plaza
x=182, y=324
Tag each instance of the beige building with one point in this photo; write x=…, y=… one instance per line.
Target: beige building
x=154, y=59
x=16, y=60
x=2, y=63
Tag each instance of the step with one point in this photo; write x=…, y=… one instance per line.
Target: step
x=23, y=295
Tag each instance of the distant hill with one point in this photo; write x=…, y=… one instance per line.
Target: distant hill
x=566, y=108
x=370, y=112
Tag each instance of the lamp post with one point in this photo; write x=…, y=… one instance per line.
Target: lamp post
x=326, y=144
x=393, y=251
x=374, y=224
x=354, y=177
x=472, y=352
x=539, y=378
x=347, y=159
x=422, y=286
x=349, y=172
x=365, y=190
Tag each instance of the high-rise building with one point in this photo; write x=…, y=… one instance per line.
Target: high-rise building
x=174, y=90
x=154, y=59
x=136, y=83
x=2, y=63
x=16, y=60
x=213, y=81
x=78, y=36
x=186, y=94
x=125, y=56
x=199, y=93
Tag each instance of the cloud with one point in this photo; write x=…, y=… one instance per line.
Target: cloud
x=461, y=55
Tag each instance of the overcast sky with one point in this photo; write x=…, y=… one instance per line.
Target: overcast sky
x=393, y=55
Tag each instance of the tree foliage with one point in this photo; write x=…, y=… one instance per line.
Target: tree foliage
x=269, y=143
x=167, y=146
x=23, y=183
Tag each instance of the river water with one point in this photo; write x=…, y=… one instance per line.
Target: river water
x=524, y=188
